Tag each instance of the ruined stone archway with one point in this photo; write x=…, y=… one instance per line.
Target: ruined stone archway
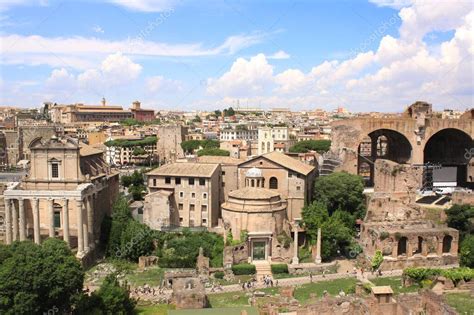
x=450, y=148
x=382, y=144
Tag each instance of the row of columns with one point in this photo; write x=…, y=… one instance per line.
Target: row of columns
x=15, y=222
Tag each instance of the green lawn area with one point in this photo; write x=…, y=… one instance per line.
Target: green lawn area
x=462, y=302
x=152, y=276
x=302, y=293
x=396, y=284
x=160, y=309
x=229, y=299
x=219, y=311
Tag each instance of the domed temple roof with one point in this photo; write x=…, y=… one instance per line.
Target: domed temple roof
x=254, y=173
x=251, y=199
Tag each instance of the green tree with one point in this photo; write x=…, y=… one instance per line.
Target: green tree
x=336, y=237
x=135, y=241
x=467, y=251
x=304, y=146
x=138, y=151
x=213, y=152
x=37, y=278
x=126, y=180
x=377, y=260
x=115, y=298
x=460, y=217
x=343, y=191
x=190, y=146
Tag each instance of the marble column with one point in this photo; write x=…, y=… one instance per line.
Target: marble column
x=8, y=221
x=66, y=222
x=80, y=234
x=90, y=221
x=318, y=248
x=51, y=217
x=21, y=209
x=15, y=221
x=295, y=260
x=36, y=223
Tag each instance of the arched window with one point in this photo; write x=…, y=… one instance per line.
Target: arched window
x=273, y=183
x=447, y=240
x=402, y=246
x=268, y=146
x=252, y=183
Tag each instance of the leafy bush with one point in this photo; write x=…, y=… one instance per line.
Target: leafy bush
x=467, y=252
x=377, y=260
x=284, y=239
x=219, y=275
x=279, y=268
x=243, y=269
x=454, y=274
x=384, y=235
x=320, y=146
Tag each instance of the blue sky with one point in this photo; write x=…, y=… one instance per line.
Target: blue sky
x=378, y=55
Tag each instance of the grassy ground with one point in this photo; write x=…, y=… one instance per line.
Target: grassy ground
x=462, y=302
x=160, y=309
x=302, y=293
x=220, y=311
x=396, y=284
x=152, y=276
x=242, y=278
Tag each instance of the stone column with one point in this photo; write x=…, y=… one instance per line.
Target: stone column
x=66, y=222
x=295, y=260
x=90, y=221
x=51, y=217
x=318, y=248
x=85, y=228
x=80, y=234
x=36, y=223
x=21, y=208
x=15, y=221
x=8, y=221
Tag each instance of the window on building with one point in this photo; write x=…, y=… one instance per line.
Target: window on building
x=202, y=181
x=203, y=208
x=181, y=194
x=177, y=180
x=223, y=184
x=191, y=222
x=298, y=187
x=167, y=180
x=204, y=196
x=54, y=170
x=204, y=221
x=223, y=173
x=180, y=206
x=191, y=207
x=180, y=220
x=154, y=181
x=193, y=195
x=191, y=181
x=273, y=183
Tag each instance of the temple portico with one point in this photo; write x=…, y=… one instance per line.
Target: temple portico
x=38, y=214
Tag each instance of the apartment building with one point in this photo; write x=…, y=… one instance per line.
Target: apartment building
x=183, y=195
x=268, y=137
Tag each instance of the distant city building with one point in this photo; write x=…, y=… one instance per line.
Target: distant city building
x=141, y=114
x=273, y=139
x=169, y=142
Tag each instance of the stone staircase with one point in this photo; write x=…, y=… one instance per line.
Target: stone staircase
x=330, y=162
x=263, y=268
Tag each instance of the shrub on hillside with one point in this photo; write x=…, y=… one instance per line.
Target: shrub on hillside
x=279, y=268
x=243, y=269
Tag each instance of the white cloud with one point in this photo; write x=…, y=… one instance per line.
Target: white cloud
x=82, y=52
x=145, y=5
x=245, y=77
x=159, y=84
x=115, y=71
x=8, y=4
x=279, y=55
x=98, y=29
x=396, y=4
x=401, y=71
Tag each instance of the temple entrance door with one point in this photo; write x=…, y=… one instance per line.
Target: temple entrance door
x=258, y=252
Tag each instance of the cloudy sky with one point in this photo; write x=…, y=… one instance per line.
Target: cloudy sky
x=375, y=55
